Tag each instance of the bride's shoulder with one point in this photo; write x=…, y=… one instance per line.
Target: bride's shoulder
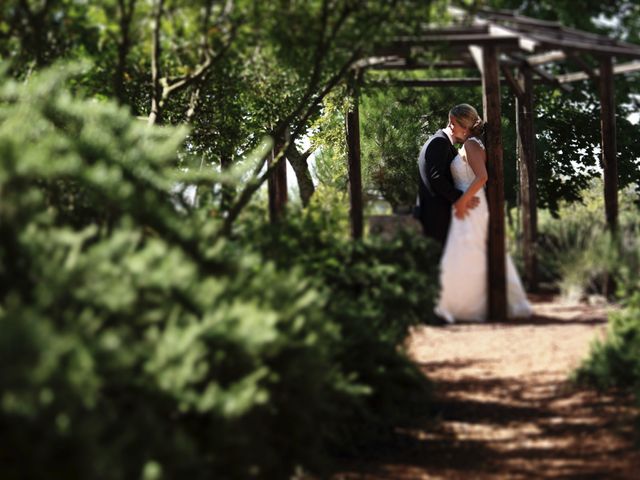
x=474, y=141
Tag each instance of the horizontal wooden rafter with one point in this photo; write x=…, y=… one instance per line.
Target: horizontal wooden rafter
x=546, y=57
x=597, y=38
x=586, y=39
x=429, y=82
x=519, y=19
x=599, y=49
x=629, y=67
x=456, y=30
x=456, y=39
x=407, y=64
x=555, y=39
x=550, y=33
x=531, y=41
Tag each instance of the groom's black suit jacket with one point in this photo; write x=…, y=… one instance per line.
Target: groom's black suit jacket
x=438, y=193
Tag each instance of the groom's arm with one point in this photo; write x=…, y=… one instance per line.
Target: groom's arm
x=438, y=168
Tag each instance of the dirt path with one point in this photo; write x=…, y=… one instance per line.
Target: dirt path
x=506, y=409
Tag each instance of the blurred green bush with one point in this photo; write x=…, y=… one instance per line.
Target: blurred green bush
x=376, y=290
x=133, y=346
x=576, y=253
x=613, y=362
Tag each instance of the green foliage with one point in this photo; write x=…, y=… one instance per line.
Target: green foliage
x=615, y=361
x=395, y=125
x=569, y=250
x=580, y=255
x=328, y=139
x=576, y=251
x=134, y=347
x=376, y=291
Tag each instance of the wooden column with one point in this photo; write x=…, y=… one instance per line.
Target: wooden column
x=495, y=185
x=527, y=158
x=608, y=129
x=354, y=168
x=277, y=187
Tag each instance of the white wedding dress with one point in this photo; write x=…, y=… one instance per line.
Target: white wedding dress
x=463, y=267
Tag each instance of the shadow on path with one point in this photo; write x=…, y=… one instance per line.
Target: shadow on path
x=496, y=428
x=503, y=408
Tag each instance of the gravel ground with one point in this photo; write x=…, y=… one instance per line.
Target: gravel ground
x=505, y=408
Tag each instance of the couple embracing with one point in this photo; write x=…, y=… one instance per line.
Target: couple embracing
x=452, y=208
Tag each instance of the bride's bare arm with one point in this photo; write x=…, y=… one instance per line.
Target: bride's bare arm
x=477, y=159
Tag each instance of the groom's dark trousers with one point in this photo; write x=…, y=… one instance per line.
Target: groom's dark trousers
x=436, y=192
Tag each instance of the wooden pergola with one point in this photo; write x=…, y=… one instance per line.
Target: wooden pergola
x=506, y=48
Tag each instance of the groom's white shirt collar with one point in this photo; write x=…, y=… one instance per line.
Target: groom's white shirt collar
x=449, y=133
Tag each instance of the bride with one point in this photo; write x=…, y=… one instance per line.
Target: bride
x=463, y=267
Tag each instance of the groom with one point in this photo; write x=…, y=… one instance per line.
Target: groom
x=436, y=192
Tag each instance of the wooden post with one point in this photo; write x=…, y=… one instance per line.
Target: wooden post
x=608, y=129
x=354, y=168
x=277, y=187
x=527, y=158
x=495, y=185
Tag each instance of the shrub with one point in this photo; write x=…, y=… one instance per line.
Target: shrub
x=615, y=362
x=577, y=254
x=376, y=290
x=135, y=347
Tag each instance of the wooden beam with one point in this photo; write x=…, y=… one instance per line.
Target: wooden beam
x=573, y=77
x=594, y=37
x=629, y=67
x=519, y=19
x=547, y=77
x=354, y=164
x=456, y=39
x=528, y=193
x=547, y=57
x=511, y=81
x=595, y=48
x=476, y=54
x=545, y=33
x=429, y=82
x=551, y=80
x=495, y=187
x=577, y=59
x=376, y=61
x=406, y=64
x=608, y=127
x=525, y=42
x=455, y=30
x=507, y=61
x=561, y=37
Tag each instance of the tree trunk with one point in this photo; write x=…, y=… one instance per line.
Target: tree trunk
x=227, y=194
x=125, y=10
x=354, y=170
x=300, y=165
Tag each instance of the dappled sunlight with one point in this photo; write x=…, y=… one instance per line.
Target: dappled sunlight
x=505, y=407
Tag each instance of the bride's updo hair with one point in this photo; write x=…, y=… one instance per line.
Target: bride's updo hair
x=468, y=117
